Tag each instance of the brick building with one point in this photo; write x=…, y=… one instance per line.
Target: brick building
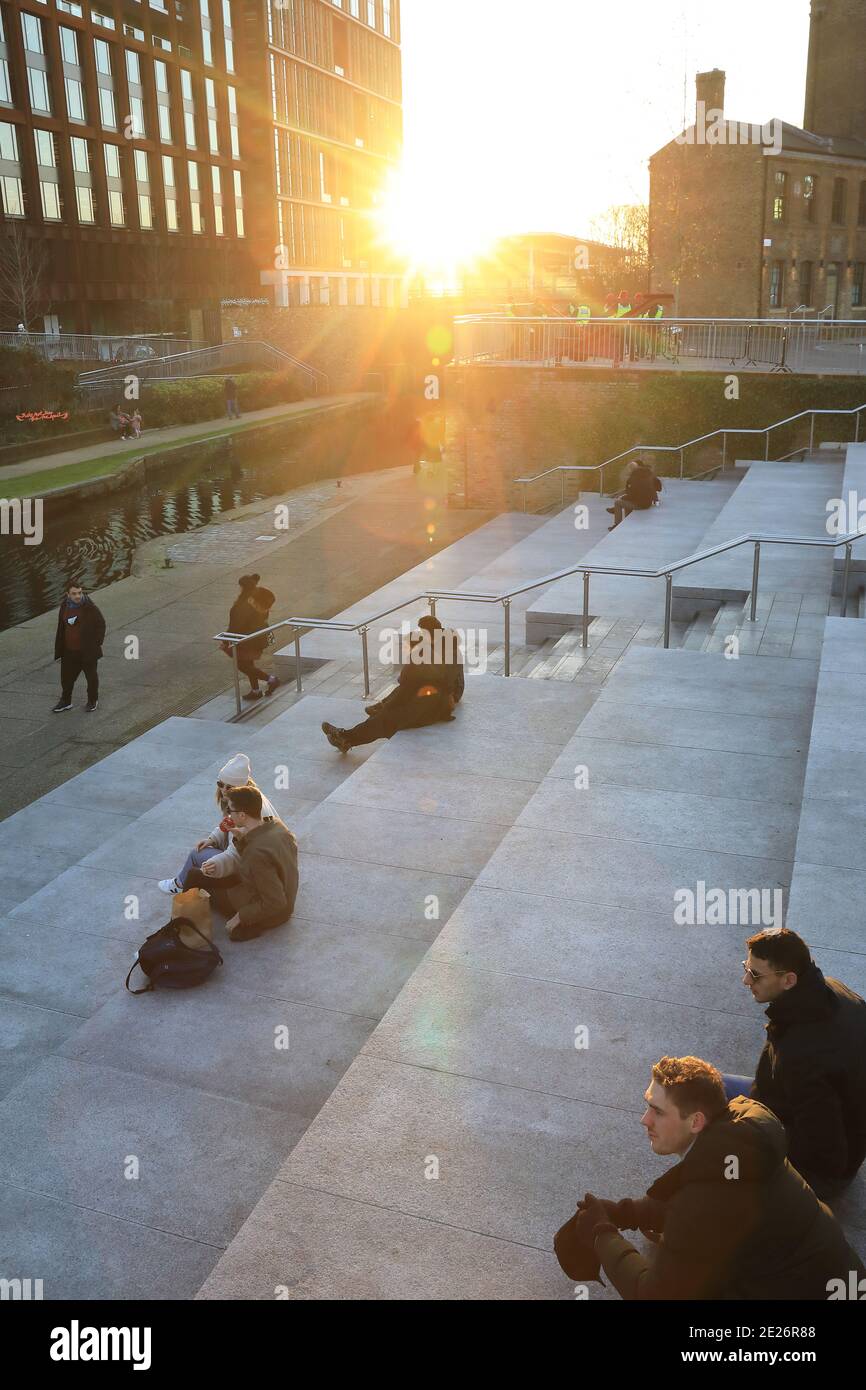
x=749, y=220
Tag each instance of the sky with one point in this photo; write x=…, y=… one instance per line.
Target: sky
x=537, y=115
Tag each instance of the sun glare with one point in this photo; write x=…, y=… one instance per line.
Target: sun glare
x=436, y=235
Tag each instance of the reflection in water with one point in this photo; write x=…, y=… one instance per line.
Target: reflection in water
x=95, y=541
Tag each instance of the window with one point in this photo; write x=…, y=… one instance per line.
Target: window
x=186, y=84
x=104, y=20
x=44, y=142
x=107, y=113
x=371, y=13
x=810, y=196
x=189, y=129
x=142, y=173
x=70, y=7
x=340, y=32
x=780, y=197
x=8, y=142
x=386, y=18
x=164, y=117
x=69, y=46
x=12, y=196
x=49, y=194
x=861, y=208
x=74, y=99
x=136, y=111
x=37, y=85
x=207, y=47
x=160, y=75
x=103, y=57
x=5, y=84
x=84, y=203
x=239, y=204
x=195, y=214
x=806, y=277
x=858, y=286
x=235, y=143
x=145, y=212
x=355, y=8
x=840, y=202
x=115, y=208
x=193, y=177
x=80, y=155
x=777, y=280
x=133, y=68
x=31, y=28
x=112, y=161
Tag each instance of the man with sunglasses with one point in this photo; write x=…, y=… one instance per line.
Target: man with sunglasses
x=812, y=1070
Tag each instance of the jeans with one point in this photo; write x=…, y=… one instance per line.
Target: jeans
x=71, y=666
x=194, y=860
x=216, y=888
x=737, y=1085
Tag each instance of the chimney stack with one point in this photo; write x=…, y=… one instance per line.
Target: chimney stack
x=711, y=91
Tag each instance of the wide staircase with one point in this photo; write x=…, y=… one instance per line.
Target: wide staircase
x=402, y=1093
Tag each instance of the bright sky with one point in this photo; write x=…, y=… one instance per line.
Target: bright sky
x=537, y=115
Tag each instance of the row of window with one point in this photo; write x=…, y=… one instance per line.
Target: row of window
x=310, y=100
x=118, y=189
x=323, y=236
x=840, y=202
x=327, y=174
x=804, y=273
x=106, y=58
x=106, y=21
x=304, y=28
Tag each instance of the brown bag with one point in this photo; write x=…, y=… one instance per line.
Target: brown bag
x=195, y=906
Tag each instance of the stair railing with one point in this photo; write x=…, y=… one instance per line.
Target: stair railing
x=563, y=468
x=300, y=626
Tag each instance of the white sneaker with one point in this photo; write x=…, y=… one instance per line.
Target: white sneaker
x=169, y=885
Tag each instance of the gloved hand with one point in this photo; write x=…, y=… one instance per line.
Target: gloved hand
x=592, y=1216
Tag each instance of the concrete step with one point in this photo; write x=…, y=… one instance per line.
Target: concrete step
x=687, y=769
x=391, y=837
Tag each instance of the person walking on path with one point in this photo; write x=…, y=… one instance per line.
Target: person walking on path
x=78, y=646
x=250, y=613
x=231, y=393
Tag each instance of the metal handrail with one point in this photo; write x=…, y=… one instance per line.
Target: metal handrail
x=599, y=468
x=434, y=596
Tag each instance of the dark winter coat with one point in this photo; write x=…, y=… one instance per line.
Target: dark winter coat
x=812, y=1074
x=244, y=618
x=752, y=1229
x=92, y=630
x=268, y=870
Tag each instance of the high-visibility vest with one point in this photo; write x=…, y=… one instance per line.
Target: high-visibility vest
x=622, y=310
x=660, y=312
x=584, y=312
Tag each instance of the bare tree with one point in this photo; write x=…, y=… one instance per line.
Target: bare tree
x=624, y=231
x=23, y=273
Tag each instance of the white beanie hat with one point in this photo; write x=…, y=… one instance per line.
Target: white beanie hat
x=236, y=772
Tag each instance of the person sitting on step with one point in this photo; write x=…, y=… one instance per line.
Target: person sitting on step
x=640, y=493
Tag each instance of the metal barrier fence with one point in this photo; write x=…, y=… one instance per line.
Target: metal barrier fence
x=83, y=347
x=229, y=356
x=783, y=345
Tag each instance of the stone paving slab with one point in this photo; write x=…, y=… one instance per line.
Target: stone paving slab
x=315, y=1246
x=84, y=1254
x=219, y=1152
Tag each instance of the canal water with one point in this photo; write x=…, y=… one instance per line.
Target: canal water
x=95, y=539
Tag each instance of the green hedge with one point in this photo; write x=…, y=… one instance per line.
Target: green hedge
x=673, y=409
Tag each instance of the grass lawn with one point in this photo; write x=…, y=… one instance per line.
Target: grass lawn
x=42, y=481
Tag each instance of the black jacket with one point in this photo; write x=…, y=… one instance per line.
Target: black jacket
x=642, y=488
x=736, y=1222
x=812, y=1074
x=244, y=618
x=92, y=630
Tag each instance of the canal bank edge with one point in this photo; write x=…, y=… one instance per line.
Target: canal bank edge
x=135, y=470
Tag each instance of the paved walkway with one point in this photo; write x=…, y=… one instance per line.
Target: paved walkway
x=152, y=440
x=376, y=531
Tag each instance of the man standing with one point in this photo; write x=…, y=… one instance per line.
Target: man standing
x=812, y=1070
x=231, y=395
x=261, y=895
x=734, y=1219
x=78, y=646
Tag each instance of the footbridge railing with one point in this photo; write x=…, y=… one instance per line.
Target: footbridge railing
x=724, y=435
x=298, y=627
